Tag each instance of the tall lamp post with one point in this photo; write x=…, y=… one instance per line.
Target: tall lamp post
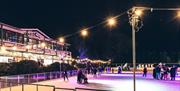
x=134, y=19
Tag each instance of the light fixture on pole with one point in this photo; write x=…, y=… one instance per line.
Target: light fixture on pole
x=138, y=12
x=178, y=14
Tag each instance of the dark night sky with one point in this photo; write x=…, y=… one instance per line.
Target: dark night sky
x=160, y=33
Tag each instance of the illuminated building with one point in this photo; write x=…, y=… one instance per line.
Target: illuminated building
x=30, y=44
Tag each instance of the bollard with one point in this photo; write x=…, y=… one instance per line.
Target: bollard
x=18, y=79
x=22, y=87
x=6, y=82
x=10, y=86
x=36, y=87
x=0, y=86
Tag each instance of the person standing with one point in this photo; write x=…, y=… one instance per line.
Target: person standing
x=173, y=73
x=154, y=72
x=112, y=70
x=99, y=70
x=162, y=72
x=158, y=71
x=144, y=72
x=65, y=75
x=79, y=76
x=94, y=72
x=119, y=70
x=166, y=70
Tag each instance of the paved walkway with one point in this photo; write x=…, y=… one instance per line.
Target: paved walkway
x=112, y=82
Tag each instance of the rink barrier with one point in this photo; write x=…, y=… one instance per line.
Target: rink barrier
x=40, y=87
x=33, y=78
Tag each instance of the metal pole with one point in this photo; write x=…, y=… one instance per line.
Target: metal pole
x=158, y=9
x=22, y=87
x=10, y=86
x=1, y=34
x=60, y=70
x=134, y=51
x=0, y=85
x=36, y=87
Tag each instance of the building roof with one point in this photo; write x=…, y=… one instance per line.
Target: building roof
x=35, y=29
x=23, y=30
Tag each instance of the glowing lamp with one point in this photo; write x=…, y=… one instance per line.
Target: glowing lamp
x=84, y=32
x=111, y=21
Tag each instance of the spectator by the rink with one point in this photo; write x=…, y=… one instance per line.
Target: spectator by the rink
x=119, y=70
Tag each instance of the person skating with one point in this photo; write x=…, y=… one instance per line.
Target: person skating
x=144, y=72
x=65, y=75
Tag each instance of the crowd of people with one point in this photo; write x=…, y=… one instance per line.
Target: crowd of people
x=160, y=72
x=163, y=72
x=82, y=74
x=112, y=69
x=81, y=77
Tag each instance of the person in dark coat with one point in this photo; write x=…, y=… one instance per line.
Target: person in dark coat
x=119, y=70
x=65, y=75
x=166, y=71
x=100, y=70
x=144, y=72
x=154, y=73
x=94, y=72
x=85, y=79
x=173, y=73
x=158, y=71
x=112, y=70
x=79, y=76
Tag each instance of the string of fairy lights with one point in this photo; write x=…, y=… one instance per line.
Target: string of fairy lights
x=111, y=21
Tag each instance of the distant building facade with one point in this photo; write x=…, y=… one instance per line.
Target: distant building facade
x=30, y=44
